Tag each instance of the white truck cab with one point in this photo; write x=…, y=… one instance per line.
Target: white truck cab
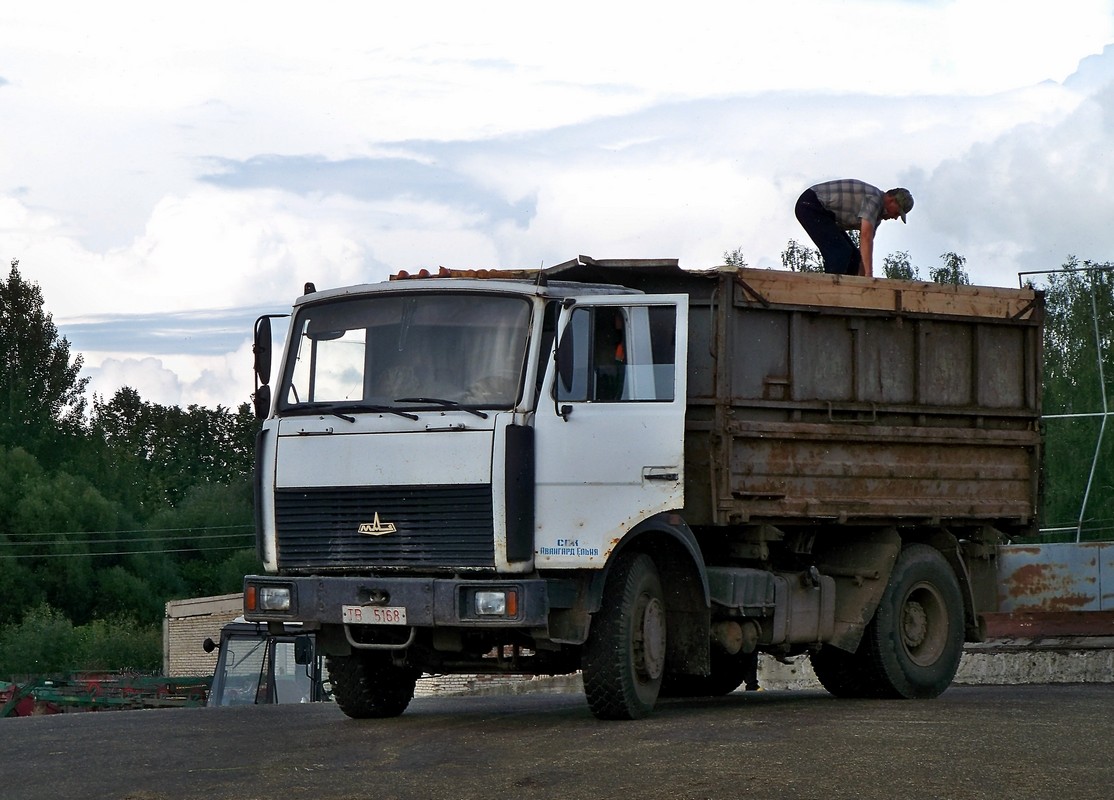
x=445, y=460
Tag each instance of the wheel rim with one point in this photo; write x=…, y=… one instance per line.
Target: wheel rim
x=649, y=639
x=924, y=624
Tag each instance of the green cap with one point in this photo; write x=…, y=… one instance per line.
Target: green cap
x=903, y=199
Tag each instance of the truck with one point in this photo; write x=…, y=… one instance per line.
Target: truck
x=645, y=473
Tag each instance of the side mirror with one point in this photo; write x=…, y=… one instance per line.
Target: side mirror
x=303, y=650
x=564, y=358
x=261, y=401
x=209, y=645
x=261, y=348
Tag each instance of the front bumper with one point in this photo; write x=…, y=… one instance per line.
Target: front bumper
x=429, y=602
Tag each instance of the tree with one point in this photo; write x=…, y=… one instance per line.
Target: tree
x=211, y=525
x=898, y=266
x=44, y=642
x=103, y=520
x=58, y=525
x=798, y=258
x=161, y=452
x=952, y=272
x=1078, y=332
x=734, y=258
x=41, y=395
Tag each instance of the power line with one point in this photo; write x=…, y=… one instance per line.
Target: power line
x=136, y=530
x=164, y=539
x=128, y=552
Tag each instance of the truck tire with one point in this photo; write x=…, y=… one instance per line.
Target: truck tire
x=624, y=658
x=844, y=674
x=370, y=685
x=914, y=643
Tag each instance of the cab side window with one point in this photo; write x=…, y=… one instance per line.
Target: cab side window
x=612, y=354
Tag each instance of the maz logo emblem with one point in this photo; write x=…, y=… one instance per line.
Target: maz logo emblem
x=376, y=528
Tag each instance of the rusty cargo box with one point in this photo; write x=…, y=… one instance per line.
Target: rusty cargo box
x=863, y=400
x=816, y=398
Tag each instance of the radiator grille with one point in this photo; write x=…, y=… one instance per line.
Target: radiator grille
x=435, y=526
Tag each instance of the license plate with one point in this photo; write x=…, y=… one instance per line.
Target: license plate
x=373, y=615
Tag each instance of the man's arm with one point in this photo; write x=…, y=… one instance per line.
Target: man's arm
x=866, y=248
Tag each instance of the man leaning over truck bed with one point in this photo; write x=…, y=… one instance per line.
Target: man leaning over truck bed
x=828, y=210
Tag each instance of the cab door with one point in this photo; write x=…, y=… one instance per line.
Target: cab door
x=609, y=425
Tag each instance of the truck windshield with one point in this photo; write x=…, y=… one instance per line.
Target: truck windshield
x=394, y=350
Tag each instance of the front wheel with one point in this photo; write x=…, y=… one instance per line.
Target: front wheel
x=915, y=640
x=624, y=658
x=370, y=685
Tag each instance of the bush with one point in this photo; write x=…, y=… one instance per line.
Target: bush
x=43, y=643
x=47, y=643
x=119, y=644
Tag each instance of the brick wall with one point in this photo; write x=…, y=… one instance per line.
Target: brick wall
x=187, y=624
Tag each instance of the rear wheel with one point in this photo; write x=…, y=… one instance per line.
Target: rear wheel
x=624, y=658
x=844, y=674
x=370, y=685
x=915, y=640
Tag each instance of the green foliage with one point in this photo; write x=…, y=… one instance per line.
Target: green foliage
x=211, y=529
x=899, y=267
x=1079, y=330
x=119, y=644
x=798, y=258
x=41, y=396
x=734, y=258
x=952, y=272
x=105, y=518
x=20, y=588
x=121, y=591
x=162, y=451
x=45, y=642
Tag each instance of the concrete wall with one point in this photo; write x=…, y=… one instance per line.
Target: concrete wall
x=979, y=665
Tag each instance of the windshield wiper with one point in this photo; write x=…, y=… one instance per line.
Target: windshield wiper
x=338, y=411
x=379, y=409
x=437, y=401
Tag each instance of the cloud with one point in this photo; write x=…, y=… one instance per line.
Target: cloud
x=370, y=180
x=205, y=332
x=1093, y=73
x=161, y=188
x=184, y=358
x=159, y=384
x=1036, y=193
x=182, y=380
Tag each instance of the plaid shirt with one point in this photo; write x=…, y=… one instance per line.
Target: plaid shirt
x=851, y=201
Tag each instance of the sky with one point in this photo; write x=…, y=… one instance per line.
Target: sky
x=168, y=173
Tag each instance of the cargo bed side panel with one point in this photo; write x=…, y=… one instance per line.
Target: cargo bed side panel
x=816, y=409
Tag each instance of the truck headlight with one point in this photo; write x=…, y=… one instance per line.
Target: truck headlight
x=273, y=598
x=497, y=603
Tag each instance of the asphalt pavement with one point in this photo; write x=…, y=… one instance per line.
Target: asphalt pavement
x=1012, y=742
